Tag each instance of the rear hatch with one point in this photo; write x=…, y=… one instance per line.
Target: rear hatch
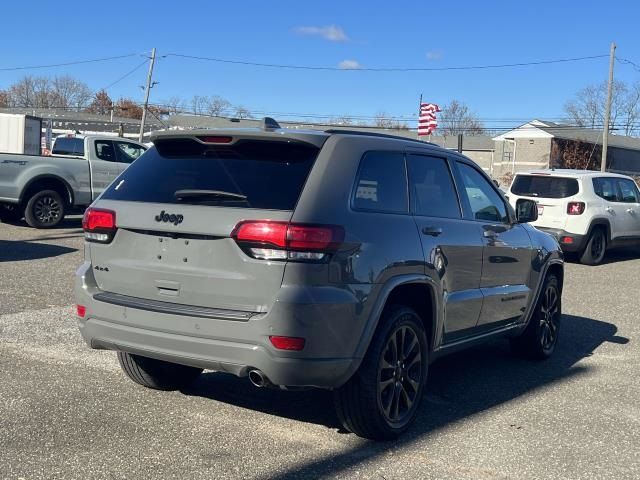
x=551, y=193
x=176, y=208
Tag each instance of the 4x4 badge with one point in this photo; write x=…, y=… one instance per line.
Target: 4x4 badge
x=169, y=218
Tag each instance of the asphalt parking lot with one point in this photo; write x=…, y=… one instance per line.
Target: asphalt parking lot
x=67, y=411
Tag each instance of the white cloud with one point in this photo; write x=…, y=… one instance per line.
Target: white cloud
x=349, y=65
x=434, y=54
x=332, y=33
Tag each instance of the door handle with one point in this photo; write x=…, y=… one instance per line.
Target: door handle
x=609, y=209
x=630, y=210
x=433, y=231
x=489, y=234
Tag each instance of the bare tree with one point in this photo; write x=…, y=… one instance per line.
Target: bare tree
x=67, y=92
x=384, y=120
x=341, y=120
x=199, y=105
x=218, y=106
x=457, y=118
x=587, y=108
x=175, y=105
x=242, y=112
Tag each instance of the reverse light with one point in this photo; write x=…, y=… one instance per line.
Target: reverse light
x=575, y=208
x=287, y=343
x=81, y=310
x=268, y=240
x=99, y=225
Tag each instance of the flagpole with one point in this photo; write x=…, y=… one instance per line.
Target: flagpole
x=419, y=110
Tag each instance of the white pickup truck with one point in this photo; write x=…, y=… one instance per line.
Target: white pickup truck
x=45, y=188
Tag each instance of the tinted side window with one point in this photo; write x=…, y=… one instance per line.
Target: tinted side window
x=485, y=202
x=68, y=146
x=128, y=152
x=628, y=191
x=381, y=184
x=606, y=188
x=431, y=187
x=105, y=151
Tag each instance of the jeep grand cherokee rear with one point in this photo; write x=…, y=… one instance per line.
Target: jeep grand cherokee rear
x=338, y=260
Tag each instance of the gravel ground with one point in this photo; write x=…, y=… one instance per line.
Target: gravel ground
x=67, y=412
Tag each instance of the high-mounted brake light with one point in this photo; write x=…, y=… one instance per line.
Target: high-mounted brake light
x=575, y=208
x=269, y=240
x=99, y=225
x=215, y=139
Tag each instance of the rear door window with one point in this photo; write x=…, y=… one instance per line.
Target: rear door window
x=606, y=188
x=381, y=184
x=431, y=187
x=544, y=186
x=269, y=174
x=68, y=146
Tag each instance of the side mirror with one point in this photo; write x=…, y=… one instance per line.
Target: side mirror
x=526, y=211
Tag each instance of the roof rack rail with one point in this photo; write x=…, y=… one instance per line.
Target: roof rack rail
x=377, y=134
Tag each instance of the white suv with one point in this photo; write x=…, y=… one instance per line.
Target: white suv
x=588, y=212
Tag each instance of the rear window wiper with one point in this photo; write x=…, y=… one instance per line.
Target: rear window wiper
x=217, y=194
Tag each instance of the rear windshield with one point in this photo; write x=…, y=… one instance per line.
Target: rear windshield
x=270, y=175
x=68, y=146
x=544, y=187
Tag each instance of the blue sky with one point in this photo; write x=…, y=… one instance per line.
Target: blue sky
x=371, y=33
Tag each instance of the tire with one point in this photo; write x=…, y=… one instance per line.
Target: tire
x=539, y=340
x=596, y=247
x=376, y=413
x=157, y=374
x=45, y=209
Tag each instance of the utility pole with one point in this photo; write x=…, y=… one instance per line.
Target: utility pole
x=607, y=112
x=146, y=93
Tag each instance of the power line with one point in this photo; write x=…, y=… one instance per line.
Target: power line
x=384, y=69
x=78, y=62
x=629, y=62
x=124, y=76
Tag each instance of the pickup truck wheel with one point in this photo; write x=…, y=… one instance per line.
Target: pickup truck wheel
x=540, y=338
x=45, y=209
x=596, y=247
x=157, y=374
x=382, y=398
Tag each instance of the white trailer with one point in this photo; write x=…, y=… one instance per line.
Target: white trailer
x=20, y=134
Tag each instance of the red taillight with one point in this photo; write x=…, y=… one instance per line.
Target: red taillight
x=81, y=310
x=216, y=139
x=287, y=343
x=99, y=225
x=269, y=240
x=567, y=240
x=270, y=233
x=575, y=208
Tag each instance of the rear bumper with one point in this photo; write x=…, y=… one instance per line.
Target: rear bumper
x=328, y=322
x=570, y=242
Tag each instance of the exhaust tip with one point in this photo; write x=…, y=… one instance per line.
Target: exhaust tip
x=258, y=379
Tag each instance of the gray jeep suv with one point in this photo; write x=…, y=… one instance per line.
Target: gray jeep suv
x=334, y=259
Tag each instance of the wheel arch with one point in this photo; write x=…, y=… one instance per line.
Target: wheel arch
x=402, y=289
x=600, y=222
x=48, y=182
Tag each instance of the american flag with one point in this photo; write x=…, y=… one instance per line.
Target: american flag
x=427, y=122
